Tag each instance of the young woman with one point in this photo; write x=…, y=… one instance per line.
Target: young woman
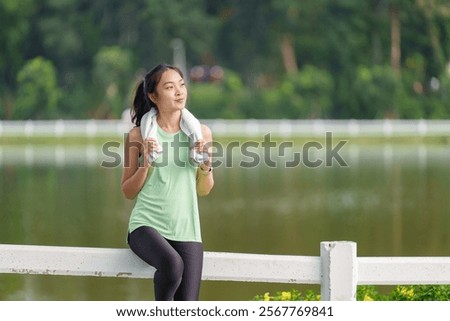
x=164, y=226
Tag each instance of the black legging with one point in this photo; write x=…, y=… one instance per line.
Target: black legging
x=178, y=264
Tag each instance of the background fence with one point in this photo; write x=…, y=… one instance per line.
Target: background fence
x=338, y=269
x=241, y=127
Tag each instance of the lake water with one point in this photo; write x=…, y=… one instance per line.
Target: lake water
x=390, y=199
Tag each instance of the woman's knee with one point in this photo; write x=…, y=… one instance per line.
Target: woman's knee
x=173, y=269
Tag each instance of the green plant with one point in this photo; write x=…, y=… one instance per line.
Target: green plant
x=38, y=93
x=420, y=293
x=370, y=293
x=292, y=295
x=112, y=68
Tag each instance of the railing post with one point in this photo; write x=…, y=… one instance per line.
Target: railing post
x=339, y=271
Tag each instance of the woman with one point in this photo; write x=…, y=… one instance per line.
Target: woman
x=164, y=226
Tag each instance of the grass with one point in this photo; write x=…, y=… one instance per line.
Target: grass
x=83, y=140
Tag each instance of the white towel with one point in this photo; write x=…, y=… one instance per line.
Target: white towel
x=148, y=130
x=188, y=124
x=192, y=128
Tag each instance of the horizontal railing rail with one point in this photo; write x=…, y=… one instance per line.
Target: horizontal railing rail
x=338, y=270
x=239, y=127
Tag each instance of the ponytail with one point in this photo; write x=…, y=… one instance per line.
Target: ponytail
x=140, y=104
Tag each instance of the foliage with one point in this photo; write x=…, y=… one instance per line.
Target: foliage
x=369, y=83
x=292, y=295
x=112, y=67
x=163, y=21
x=309, y=92
x=38, y=93
x=370, y=293
x=15, y=26
x=205, y=99
x=225, y=99
x=283, y=59
x=406, y=293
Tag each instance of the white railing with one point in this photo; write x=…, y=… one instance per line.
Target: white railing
x=241, y=127
x=338, y=269
x=63, y=128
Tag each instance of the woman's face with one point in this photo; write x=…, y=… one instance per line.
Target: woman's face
x=171, y=92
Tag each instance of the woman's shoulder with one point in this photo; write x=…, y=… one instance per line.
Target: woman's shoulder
x=205, y=129
x=135, y=134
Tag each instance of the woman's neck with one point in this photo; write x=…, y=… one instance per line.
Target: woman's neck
x=169, y=122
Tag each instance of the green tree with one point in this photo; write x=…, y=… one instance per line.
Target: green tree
x=14, y=17
x=112, y=71
x=375, y=89
x=224, y=99
x=306, y=94
x=259, y=41
x=164, y=21
x=38, y=93
x=14, y=28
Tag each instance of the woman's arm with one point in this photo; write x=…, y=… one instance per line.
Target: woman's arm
x=205, y=179
x=134, y=175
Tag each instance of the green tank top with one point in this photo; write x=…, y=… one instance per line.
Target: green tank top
x=168, y=200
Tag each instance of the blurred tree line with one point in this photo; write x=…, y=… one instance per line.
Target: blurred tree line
x=281, y=58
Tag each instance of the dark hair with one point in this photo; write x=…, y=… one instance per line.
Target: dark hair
x=141, y=102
